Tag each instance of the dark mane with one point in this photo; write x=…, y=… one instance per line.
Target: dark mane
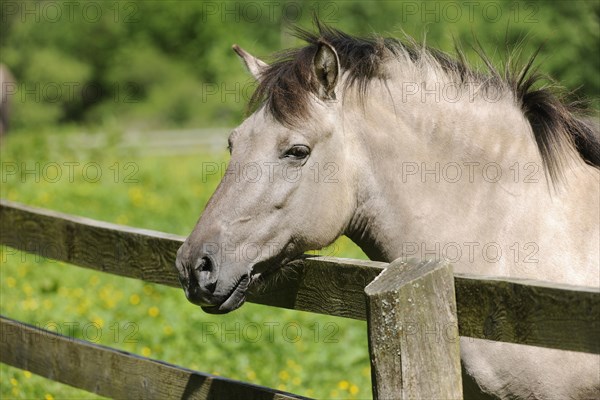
x=557, y=124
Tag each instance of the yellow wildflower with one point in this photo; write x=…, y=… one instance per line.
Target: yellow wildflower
x=99, y=322
x=134, y=299
x=27, y=289
x=136, y=196
x=344, y=385
x=284, y=375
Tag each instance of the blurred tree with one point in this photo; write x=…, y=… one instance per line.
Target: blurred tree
x=169, y=63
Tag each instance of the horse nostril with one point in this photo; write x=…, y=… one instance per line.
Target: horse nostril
x=205, y=265
x=206, y=274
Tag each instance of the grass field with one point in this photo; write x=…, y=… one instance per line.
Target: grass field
x=304, y=353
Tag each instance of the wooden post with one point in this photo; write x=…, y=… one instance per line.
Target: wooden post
x=413, y=332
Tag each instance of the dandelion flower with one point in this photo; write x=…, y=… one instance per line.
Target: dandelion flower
x=284, y=375
x=134, y=299
x=344, y=385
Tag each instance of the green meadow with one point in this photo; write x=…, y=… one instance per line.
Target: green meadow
x=304, y=353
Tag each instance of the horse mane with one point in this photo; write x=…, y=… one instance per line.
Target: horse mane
x=558, y=124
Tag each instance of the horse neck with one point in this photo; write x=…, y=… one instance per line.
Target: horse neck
x=411, y=151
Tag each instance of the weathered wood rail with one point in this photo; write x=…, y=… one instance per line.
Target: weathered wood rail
x=115, y=373
x=508, y=310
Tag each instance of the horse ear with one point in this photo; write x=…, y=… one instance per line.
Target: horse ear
x=254, y=65
x=327, y=68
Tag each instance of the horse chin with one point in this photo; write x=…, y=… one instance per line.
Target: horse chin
x=236, y=298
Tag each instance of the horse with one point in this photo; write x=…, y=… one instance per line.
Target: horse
x=410, y=152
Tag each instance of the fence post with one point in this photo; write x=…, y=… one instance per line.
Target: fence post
x=413, y=332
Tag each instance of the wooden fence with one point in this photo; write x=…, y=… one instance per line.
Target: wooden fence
x=404, y=364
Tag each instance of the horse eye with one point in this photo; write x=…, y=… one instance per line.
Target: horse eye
x=298, y=152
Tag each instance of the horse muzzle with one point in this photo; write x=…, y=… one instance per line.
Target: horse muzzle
x=203, y=286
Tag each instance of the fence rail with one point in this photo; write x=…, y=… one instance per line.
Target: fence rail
x=507, y=310
x=115, y=373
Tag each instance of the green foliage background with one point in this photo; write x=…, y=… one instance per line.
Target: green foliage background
x=139, y=66
x=153, y=64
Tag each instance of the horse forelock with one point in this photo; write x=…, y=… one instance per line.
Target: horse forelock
x=558, y=125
